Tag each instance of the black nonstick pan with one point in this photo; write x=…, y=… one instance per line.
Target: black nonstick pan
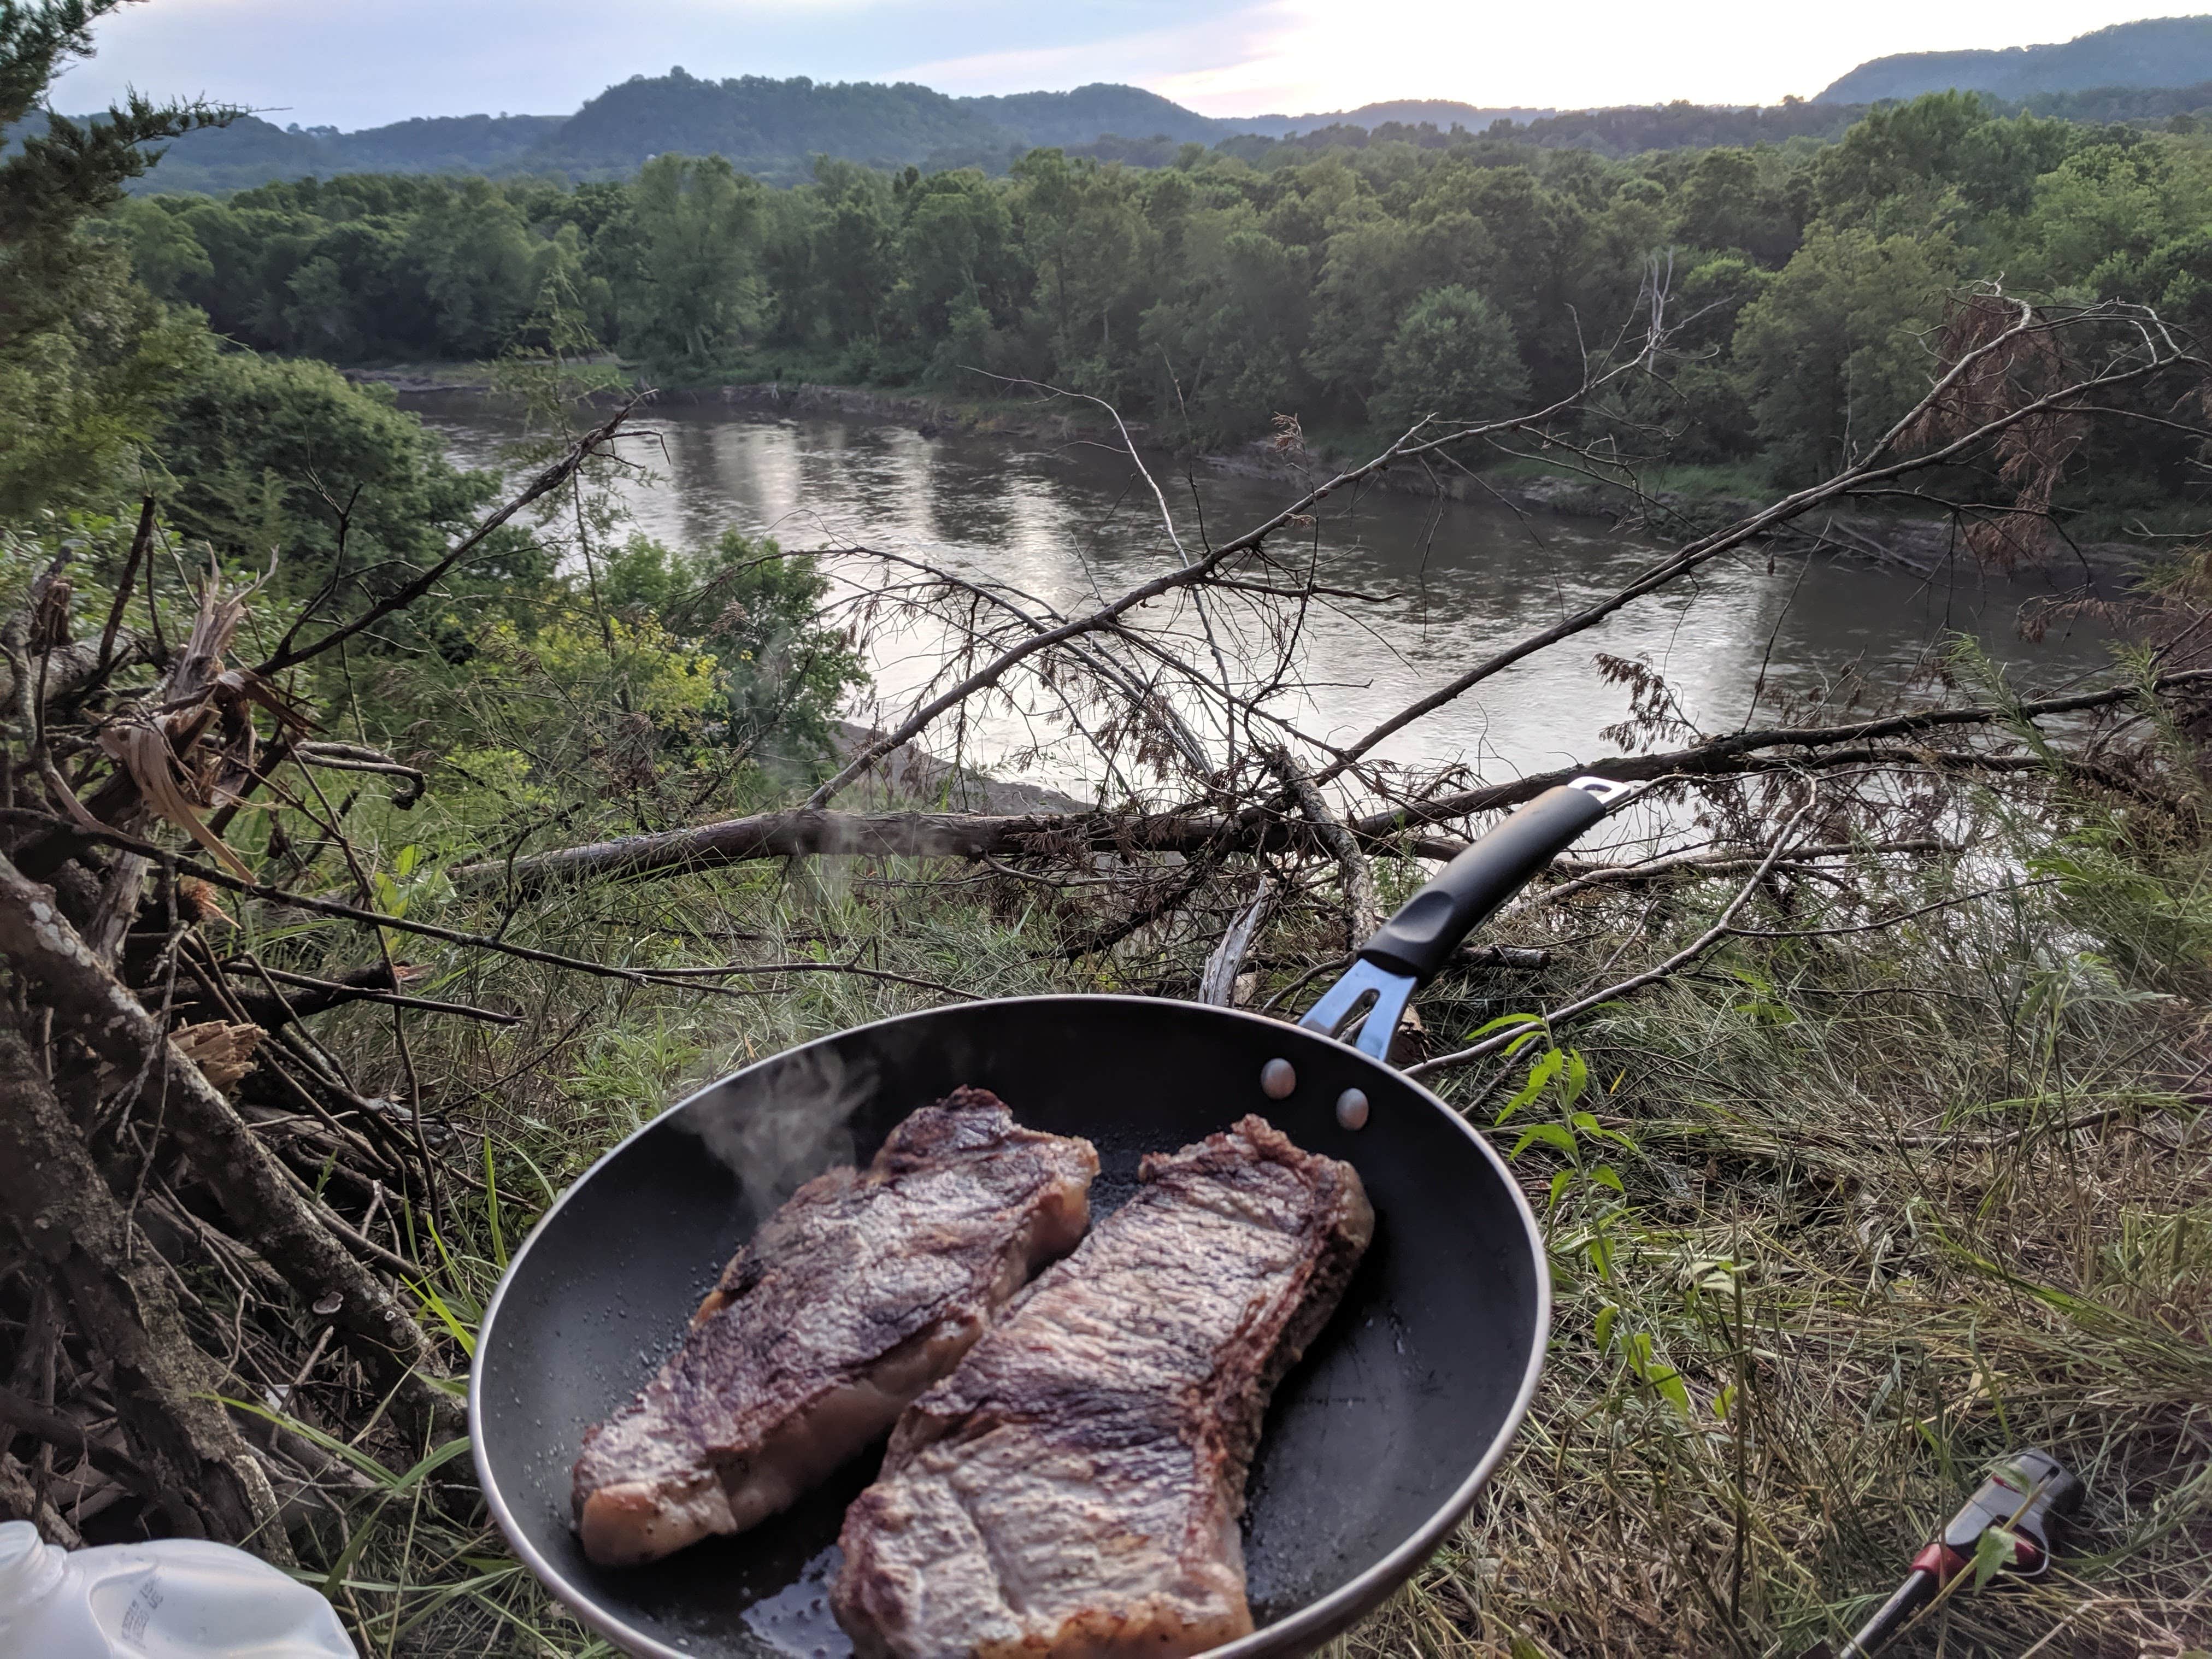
x=1377, y=1444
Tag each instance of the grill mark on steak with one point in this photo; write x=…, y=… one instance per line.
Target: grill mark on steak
x=863, y=1290
x=1072, y=1491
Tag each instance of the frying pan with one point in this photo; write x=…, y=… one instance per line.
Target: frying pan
x=1375, y=1445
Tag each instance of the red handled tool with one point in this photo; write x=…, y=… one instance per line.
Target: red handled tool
x=2019, y=1500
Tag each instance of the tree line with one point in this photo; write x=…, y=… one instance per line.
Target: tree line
x=1351, y=288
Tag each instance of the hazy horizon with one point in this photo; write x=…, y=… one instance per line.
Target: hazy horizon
x=351, y=65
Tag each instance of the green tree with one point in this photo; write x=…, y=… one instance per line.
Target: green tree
x=961, y=273
x=1234, y=331
x=1455, y=355
x=1832, y=353
x=693, y=291
x=287, y=459
x=758, y=610
x=481, y=269
x=1085, y=231
x=87, y=358
x=829, y=254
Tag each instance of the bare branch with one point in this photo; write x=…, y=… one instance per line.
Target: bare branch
x=290, y=655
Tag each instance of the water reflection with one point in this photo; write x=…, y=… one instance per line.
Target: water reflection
x=1069, y=524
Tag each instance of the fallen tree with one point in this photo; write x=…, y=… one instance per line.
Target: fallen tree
x=809, y=832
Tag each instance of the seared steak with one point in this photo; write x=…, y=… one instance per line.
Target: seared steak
x=1073, y=1488
x=864, y=1289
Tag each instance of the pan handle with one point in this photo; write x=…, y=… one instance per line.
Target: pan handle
x=1427, y=928
x=1409, y=948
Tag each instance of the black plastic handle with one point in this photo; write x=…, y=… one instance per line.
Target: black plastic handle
x=1429, y=926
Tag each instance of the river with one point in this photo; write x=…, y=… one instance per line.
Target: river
x=1067, y=523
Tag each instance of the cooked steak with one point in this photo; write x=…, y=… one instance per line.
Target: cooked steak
x=864, y=1289
x=1073, y=1488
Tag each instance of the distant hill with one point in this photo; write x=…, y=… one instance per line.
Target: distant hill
x=1081, y=116
x=770, y=127
x=767, y=126
x=773, y=128
x=1409, y=111
x=2160, y=52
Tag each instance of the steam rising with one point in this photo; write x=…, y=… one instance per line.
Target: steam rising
x=787, y=1127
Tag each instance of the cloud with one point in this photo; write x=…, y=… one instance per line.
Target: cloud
x=1142, y=57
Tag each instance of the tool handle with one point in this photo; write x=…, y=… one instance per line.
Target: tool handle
x=1914, y=1594
x=1428, y=927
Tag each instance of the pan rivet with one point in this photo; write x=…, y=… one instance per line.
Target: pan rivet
x=1351, y=1109
x=1277, y=1078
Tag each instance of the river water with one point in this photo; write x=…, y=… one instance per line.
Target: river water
x=1070, y=523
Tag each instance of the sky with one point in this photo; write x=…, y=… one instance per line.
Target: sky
x=361, y=63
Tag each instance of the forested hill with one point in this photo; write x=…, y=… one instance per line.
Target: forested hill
x=2159, y=52
x=769, y=128
x=773, y=130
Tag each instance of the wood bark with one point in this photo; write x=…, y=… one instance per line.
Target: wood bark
x=809, y=832
x=163, y=1388
x=262, y=1203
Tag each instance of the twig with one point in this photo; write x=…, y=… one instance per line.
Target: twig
x=1689, y=953
x=288, y=656
x=345, y=992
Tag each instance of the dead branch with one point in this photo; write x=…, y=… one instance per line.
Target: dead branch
x=261, y=1202
x=1190, y=574
x=359, y=985
x=1217, y=984
x=290, y=654
x=61, y=1208
x=804, y=832
x=1870, y=471
x=353, y=757
x=1720, y=929
x=1363, y=911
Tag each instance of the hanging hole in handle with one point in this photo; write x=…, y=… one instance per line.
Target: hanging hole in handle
x=1355, y=1017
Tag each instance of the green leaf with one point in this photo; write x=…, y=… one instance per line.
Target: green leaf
x=1502, y=1022
x=1528, y=1091
x=1551, y=1134
x=1602, y=1331
x=491, y=1207
x=430, y=1298
x=1606, y=1176
x=1993, y=1553
x=1669, y=1382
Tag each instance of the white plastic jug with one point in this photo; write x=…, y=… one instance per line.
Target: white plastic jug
x=176, y=1599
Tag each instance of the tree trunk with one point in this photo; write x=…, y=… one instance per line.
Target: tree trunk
x=163, y=1388
x=267, y=1210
